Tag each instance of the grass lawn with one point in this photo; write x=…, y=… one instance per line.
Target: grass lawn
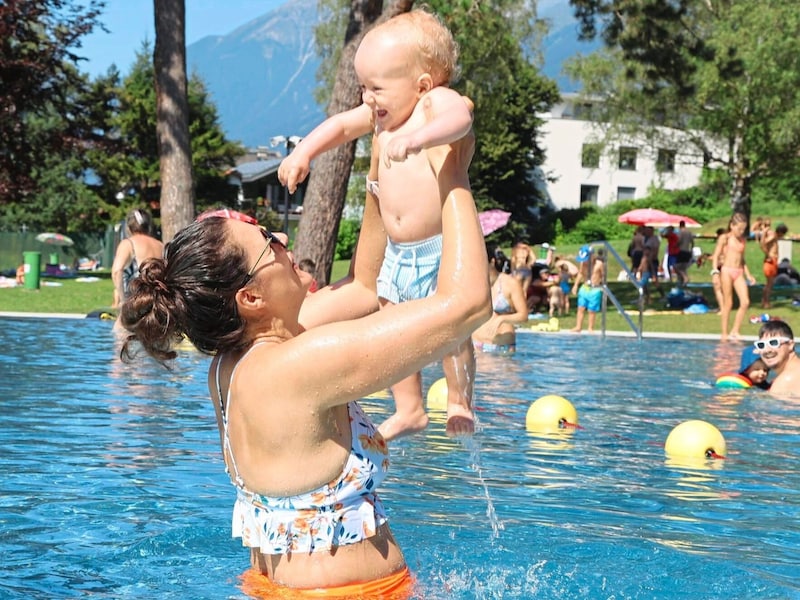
x=72, y=296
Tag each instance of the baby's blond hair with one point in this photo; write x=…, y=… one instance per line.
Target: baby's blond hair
x=436, y=50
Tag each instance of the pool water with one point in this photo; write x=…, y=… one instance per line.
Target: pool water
x=113, y=485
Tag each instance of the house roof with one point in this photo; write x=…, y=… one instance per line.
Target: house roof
x=255, y=170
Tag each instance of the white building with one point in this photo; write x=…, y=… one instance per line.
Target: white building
x=579, y=171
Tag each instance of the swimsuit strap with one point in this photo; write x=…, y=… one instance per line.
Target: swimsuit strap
x=224, y=407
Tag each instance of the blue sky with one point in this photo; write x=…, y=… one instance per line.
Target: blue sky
x=131, y=22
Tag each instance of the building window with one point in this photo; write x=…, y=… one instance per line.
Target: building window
x=665, y=162
x=626, y=193
x=589, y=194
x=627, y=159
x=590, y=156
x=583, y=111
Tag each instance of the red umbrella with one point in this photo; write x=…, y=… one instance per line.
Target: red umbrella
x=492, y=220
x=643, y=216
x=674, y=221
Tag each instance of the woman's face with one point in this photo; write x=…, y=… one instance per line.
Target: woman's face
x=738, y=227
x=273, y=268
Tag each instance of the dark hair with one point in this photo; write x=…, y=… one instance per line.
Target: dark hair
x=498, y=258
x=307, y=265
x=191, y=292
x=139, y=221
x=782, y=229
x=771, y=328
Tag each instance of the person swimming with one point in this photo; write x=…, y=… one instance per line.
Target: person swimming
x=753, y=372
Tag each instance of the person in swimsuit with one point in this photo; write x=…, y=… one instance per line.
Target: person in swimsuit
x=589, y=287
x=404, y=66
x=304, y=458
x=776, y=347
x=769, y=245
x=685, y=254
x=138, y=245
x=734, y=274
x=509, y=308
x=522, y=260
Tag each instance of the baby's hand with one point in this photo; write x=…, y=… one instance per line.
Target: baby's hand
x=399, y=148
x=293, y=171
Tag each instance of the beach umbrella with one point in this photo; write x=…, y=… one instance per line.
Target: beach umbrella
x=54, y=239
x=643, y=216
x=674, y=221
x=492, y=220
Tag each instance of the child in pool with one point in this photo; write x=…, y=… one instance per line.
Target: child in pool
x=404, y=66
x=753, y=368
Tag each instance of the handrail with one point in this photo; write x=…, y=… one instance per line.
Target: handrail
x=607, y=293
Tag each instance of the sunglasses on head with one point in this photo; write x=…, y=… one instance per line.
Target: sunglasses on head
x=227, y=213
x=774, y=342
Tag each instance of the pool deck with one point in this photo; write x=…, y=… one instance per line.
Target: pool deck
x=646, y=334
x=522, y=330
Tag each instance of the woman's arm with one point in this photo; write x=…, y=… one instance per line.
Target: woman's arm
x=512, y=288
x=717, y=254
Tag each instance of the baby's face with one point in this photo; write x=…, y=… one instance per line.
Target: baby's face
x=757, y=372
x=389, y=81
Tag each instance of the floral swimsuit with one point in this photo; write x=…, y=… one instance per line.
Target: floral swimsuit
x=344, y=511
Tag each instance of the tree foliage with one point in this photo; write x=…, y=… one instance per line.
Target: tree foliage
x=509, y=93
x=726, y=73
x=39, y=79
x=77, y=154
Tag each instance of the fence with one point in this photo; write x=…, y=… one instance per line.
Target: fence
x=96, y=246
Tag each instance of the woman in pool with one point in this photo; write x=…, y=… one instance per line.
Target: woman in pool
x=303, y=456
x=132, y=251
x=734, y=274
x=508, y=307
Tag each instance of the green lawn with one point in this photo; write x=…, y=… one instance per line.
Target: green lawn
x=71, y=296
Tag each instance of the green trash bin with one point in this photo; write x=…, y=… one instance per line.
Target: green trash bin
x=32, y=262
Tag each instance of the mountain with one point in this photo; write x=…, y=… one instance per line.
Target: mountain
x=262, y=75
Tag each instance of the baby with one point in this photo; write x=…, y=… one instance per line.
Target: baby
x=753, y=368
x=404, y=67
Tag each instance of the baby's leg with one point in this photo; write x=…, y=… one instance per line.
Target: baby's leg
x=459, y=372
x=409, y=416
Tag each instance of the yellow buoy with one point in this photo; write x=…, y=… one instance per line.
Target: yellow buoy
x=695, y=439
x=437, y=395
x=551, y=414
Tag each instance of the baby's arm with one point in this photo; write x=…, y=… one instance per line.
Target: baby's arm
x=334, y=131
x=448, y=118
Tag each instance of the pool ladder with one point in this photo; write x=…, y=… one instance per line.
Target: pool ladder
x=609, y=295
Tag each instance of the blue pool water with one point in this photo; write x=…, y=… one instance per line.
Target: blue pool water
x=112, y=484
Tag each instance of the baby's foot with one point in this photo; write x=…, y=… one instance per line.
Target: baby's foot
x=399, y=425
x=460, y=420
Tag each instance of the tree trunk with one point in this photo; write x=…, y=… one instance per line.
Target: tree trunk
x=742, y=184
x=327, y=186
x=740, y=195
x=172, y=117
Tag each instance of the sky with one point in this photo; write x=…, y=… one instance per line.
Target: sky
x=130, y=22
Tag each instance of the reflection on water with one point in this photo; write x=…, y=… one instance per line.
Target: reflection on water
x=114, y=486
